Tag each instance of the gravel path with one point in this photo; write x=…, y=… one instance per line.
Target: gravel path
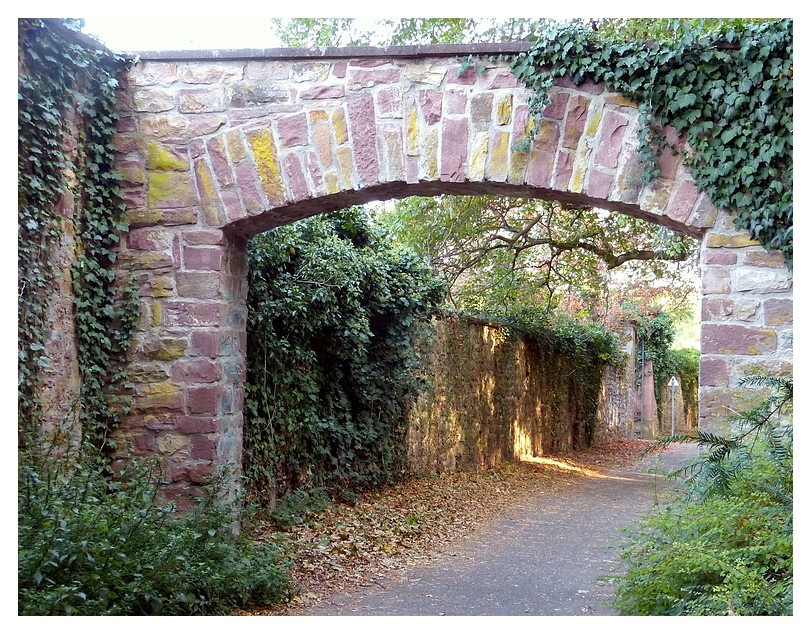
x=544, y=557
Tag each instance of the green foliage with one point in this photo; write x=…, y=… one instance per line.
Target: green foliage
x=89, y=545
x=59, y=76
x=726, y=546
x=727, y=86
x=333, y=315
x=496, y=252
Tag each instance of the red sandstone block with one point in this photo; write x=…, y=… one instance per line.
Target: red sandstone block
x=563, y=171
x=466, y=77
x=456, y=103
x=681, y=206
x=363, y=128
x=599, y=184
x=293, y=130
x=202, y=258
x=194, y=473
x=454, y=150
x=366, y=78
x=149, y=239
x=204, y=343
x=431, y=105
x=734, y=339
x=142, y=444
x=196, y=371
x=246, y=180
x=611, y=139
x=295, y=178
x=778, y=311
x=335, y=91
x=233, y=205
x=197, y=424
x=314, y=170
x=339, y=69
x=715, y=280
x=203, y=400
x=199, y=284
x=557, y=107
x=219, y=161
x=499, y=78
x=575, y=121
x=202, y=447
x=668, y=162
x=713, y=372
x=720, y=258
x=203, y=236
x=188, y=313
x=587, y=86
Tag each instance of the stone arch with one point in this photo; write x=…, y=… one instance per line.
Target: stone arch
x=217, y=147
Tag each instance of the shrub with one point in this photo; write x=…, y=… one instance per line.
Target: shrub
x=725, y=547
x=90, y=544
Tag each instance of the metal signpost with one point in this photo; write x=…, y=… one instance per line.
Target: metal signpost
x=673, y=384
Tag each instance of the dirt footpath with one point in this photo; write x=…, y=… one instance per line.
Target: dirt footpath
x=545, y=556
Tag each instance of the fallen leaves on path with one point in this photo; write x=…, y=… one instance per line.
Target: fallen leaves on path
x=348, y=546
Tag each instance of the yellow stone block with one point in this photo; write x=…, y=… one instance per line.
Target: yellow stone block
x=339, y=126
x=504, y=109
x=735, y=241
x=331, y=182
x=236, y=148
x=594, y=122
x=170, y=443
x=413, y=134
x=267, y=165
x=497, y=165
x=478, y=157
x=159, y=157
x=346, y=163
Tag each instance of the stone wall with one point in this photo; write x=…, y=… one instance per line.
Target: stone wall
x=498, y=397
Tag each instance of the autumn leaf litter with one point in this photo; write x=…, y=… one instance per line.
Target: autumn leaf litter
x=349, y=546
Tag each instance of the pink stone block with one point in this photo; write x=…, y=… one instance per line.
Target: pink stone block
x=204, y=343
x=295, y=178
x=713, y=372
x=466, y=77
x=611, y=138
x=778, y=311
x=668, y=162
x=203, y=400
x=734, y=339
x=188, y=313
x=314, y=170
x=203, y=258
x=202, y=447
x=366, y=78
x=197, y=424
x=599, y=184
x=720, y=258
x=575, y=121
x=454, y=150
x=557, y=107
x=196, y=371
x=219, y=162
x=293, y=130
x=362, y=125
x=455, y=102
x=563, y=171
x=586, y=86
x=335, y=91
x=233, y=205
x=431, y=105
x=681, y=206
x=542, y=158
x=389, y=102
x=248, y=187
x=149, y=240
x=499, y=78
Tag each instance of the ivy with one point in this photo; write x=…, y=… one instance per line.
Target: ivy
x=63, y=74
x=334, y=312
x=728, y=90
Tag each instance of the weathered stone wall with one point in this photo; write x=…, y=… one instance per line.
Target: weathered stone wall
x=215, y=148
x=497, y=397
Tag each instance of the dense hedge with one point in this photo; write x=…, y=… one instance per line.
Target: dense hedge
x=333, y=314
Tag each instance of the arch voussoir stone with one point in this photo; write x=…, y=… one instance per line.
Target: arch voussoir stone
x=214, y=150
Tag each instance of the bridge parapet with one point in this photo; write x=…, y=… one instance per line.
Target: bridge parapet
x=215, y=149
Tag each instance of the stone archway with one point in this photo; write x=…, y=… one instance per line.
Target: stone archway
x=218, y=146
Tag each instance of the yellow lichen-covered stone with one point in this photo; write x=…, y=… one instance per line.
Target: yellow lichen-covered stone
x=236, y=148
x=504, y=109
x=429, y=151
x=171, y=443
x=594, y=122
x=497, y=165
x=209, y=197
x=156, y=313
x=346, y=163
x=266, y=161
x=170, y=189
x=331, y=183
x=161, y=158
x=413, y=133
x=518, y=166
x=166, y=350
x=478, y=157
x=339, y=126
x=736, y=241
